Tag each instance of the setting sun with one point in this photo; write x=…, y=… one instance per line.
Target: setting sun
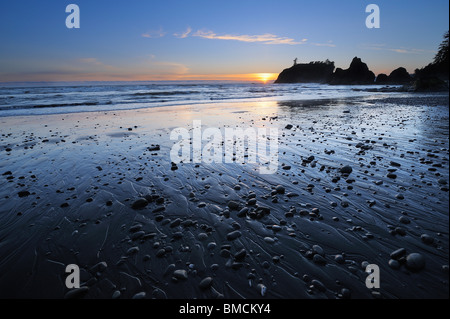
x=265, y=77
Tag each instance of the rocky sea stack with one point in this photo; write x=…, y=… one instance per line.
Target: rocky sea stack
x=316, y=72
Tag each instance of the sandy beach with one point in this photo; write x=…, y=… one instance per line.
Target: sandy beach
x=70, y=186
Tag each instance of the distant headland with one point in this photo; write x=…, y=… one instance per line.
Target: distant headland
x=433, y=77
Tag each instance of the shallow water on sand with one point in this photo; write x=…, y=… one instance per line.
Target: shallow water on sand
x=78, y=176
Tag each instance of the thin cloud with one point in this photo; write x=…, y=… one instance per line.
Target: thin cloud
x=328, y=44
x=263, y=38
x=154, y=33
x=183, y=34
x=401, y=50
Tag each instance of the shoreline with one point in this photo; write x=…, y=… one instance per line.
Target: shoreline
x=98, y=167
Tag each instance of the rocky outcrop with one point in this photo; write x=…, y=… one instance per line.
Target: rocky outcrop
x=357, y=73
x=398, y=76
x=382, y=79
x=313, y=72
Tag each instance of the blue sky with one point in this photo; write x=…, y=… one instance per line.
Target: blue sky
x=179, y=40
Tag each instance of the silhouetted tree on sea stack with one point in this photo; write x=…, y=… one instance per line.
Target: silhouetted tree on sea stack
x=434, y=75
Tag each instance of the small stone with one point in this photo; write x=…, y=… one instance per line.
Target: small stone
x=206, y=283
x=280, y=189
x=99, y=267
x=404, y=220
x=76, y=293
x=269, y=240
x=317, y=250
x=137, y=235
x=288, y=127
x=202, y=236
x=180, y=274
x=345, y=293
x=140, y=295
x=240, y=255
x=346, y=169
x=286, y=167
x=394, y=264
x=319, y=259
x=233, y=205
x=175, y=223
x=400, y=231
x=392, y=163
x=318, y=285
x=397, y=254
x=139, y=203
x=427, y=239
x=415, y=262
x=400, y=196
x=233, y=235
x=116, y=294
x=23, y=193
x=262, y=289
x=339, y=259
x=133, y=250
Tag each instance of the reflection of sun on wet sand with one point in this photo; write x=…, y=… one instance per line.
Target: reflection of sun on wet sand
x=360, y=181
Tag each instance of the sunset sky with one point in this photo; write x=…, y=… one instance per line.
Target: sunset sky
x=210, y=40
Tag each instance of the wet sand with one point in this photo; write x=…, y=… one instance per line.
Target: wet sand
x=69, y=186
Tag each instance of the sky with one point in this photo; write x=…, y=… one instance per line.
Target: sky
x=210, y=40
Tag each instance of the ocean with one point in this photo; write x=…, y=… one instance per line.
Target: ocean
x=72, y=97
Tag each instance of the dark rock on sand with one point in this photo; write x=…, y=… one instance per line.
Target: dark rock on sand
x=427, y=239
x=206, y=283
x=76, y=293
x=415, y=262
x=318, y=285
x=233, y=205
x=233, y=235
x=23, y=193
x=180, y=274
x=397, y=254
x=139, y=203
x=346, y=169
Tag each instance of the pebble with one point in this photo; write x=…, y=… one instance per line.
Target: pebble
x=99, y=267
x=262, y=289
x=23, y=193
x=346, y=169
x=269, y=240
x=415, y=262
x=139, y=203
x=180, y=274
x=240, y=255
x=202, y=236
x=175, y=223
x=139, y=295
x=397, y=254
x=394, y=264
x=233, y=235
x=339, y=259
x=317, y=250
x=243, y=212
x=401, y=231
x=133, y=250
x=160, y=253
x=76, y=293
x=137, y=235
x=116, y=294
x=427, y=239
x=280, y=189
x=233, y=205
x=319, y=259
x=206, y=283
x=404, y=220
x=318, y=285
